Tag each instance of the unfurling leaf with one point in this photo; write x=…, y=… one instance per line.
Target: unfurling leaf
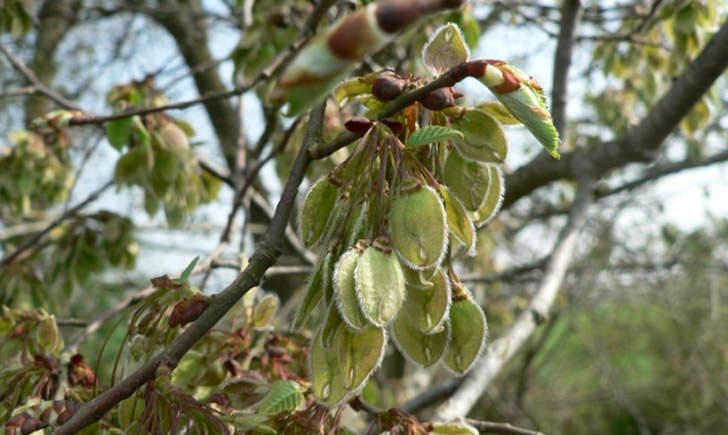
x=468, y=332
x=493, y=199
x=283, y=396
x=431, y=134
x=418, y=228
x=380, y=286
x=467, y=180
x=499, y=112
x=265, y=311
x=445, y=49
x=524, y=97
x=423, y=349
x=483, y=137
x=458, y=220
x=359, y=353
x=317, y=208
x=345, y=290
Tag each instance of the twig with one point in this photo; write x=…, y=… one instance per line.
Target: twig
x=57, y=221
x=642, y=142
x=502, y=349
x=571, y=12
x=29, y=75
x=18, y=92
x=266, y=73
x=501, y=428
x=264, y=257
x=104, y=317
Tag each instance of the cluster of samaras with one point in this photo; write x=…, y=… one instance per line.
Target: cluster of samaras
x=390, y=220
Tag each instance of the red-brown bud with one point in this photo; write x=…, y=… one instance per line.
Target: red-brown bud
x=359, y=125
x=388, y=88
x=80, y=373
x=440, y=99
x=188, y=310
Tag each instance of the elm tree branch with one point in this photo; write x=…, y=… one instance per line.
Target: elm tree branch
x=38, y=86
x=639, y=144
x=30, y=243
x=264, y=257
x=571, y=12
x=501, y=350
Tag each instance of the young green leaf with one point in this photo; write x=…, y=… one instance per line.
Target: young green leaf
x=185, y=277
x=431, y=134
x=283, y=396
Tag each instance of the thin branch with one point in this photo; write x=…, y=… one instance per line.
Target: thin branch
x=264, y=257
x=502, y=349
x=642, y=142
x=41, y=88
x=265, y=74
x=57, y=221
x=18, y=92
x=508, y=274
x=651, y=175
x=501, y=428
x=432, y=395
x=449, y=78
x=571, y=12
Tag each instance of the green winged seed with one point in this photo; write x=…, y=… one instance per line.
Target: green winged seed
x=453, y=429
x=380, y=286
x=445, y=49
x=418, y=279
x=467, y=180
x=314, y=291
x=458, y=220
x=359, y=354
x=345, y=290
x=468, y=332
x=331, y=326
x=494, y=198
x=484, y=139
x=316, y=210
x=428, y=308
x=420, y=348
x=418, y=228
x=327, y=380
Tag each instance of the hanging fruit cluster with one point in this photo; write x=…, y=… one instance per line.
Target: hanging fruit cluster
x=159, y=157
x=390, y=220
x=36, y=172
